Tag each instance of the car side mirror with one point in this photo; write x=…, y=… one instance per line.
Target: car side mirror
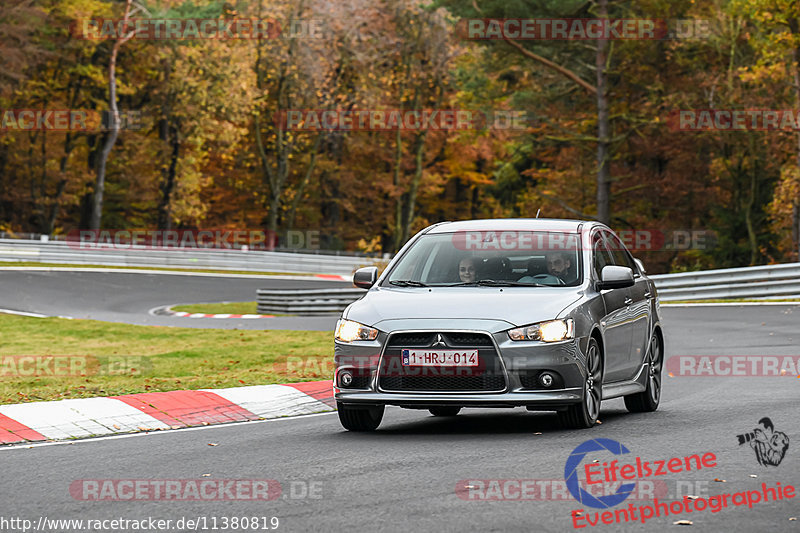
x=615, y=277
x=640, y=265
x=366, y=277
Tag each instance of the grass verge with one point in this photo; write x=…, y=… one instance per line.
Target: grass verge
x=91, y=358
x=234, y=308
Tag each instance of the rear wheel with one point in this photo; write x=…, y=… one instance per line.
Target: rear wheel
x=360, y=419
x=647, y=400
x=584, y=414
x=444, y=411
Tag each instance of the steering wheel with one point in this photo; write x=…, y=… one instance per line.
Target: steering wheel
x=548, y=278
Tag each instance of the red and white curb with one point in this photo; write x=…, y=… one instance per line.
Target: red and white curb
x=151, y=411
x=206, y=315
x=167, y=311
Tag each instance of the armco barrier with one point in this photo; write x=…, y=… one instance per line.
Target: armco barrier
x=770, y=281
x=306, y=301
x=186, y=258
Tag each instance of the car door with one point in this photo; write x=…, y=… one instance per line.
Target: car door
x=616, y=333
x=637, y=303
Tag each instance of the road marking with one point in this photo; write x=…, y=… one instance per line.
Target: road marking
x=22, y=313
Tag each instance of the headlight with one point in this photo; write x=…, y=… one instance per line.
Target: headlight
x=349, y=331
x=551, y=331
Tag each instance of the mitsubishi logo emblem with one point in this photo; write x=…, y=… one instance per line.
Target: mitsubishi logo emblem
x=439, y=341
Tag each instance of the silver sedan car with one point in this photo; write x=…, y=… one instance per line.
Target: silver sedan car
x=553, y=315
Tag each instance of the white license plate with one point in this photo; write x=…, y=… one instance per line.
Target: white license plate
x=440, y=357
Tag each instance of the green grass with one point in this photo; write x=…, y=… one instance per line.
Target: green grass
x=61, y=265
x=124, y=359
x=234, y=308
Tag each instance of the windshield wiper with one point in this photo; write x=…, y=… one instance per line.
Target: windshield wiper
x=495, y=283
x=407, y=283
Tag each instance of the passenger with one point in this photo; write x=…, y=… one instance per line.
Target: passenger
x=467, y=270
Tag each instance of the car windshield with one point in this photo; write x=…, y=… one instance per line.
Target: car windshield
x=490, y=258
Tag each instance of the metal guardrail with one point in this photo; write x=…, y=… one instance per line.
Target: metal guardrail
x=306, y=301
x=14, y=250
x=761, y=282
x=38, y=238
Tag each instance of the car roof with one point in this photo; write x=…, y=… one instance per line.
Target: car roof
x=512, y=224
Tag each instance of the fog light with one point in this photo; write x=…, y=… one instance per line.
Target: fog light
x=346, y=379
x=546, y=379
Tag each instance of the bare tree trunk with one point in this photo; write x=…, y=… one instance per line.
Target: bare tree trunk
x=3, y=187
x=415, y=180
x=603, y=172
x=796, y=69
x=398, y=208
x=278, y=176
x=100, y=183
x=168, y=133
x=303, y=183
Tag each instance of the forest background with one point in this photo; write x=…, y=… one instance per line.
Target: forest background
x=597, y=142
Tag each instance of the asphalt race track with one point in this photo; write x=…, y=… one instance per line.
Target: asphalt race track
x=129, y=297
x=404, y=477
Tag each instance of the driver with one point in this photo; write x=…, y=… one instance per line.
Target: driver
x=558, y=265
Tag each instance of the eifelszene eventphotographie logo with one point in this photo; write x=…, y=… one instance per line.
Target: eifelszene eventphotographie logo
x=770, y=445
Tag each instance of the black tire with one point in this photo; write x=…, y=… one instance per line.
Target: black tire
x=444, y=411
x=647, y=401
x=584, y=415
x=360, y=419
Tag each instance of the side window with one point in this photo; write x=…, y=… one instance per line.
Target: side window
x=619, y=253
x=600, y=255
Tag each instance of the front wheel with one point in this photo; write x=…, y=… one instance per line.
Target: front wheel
x=444, y=411
x=360, y=419
x=648, y=400
x=584, y=415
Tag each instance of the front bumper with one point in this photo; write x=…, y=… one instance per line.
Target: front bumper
x=522, y=362
x=549, y=400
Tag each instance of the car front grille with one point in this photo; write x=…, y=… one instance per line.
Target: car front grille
x=488, y=376
x=455, y=339
x=359, y=382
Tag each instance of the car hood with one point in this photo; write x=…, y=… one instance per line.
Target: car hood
x=516, y=306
